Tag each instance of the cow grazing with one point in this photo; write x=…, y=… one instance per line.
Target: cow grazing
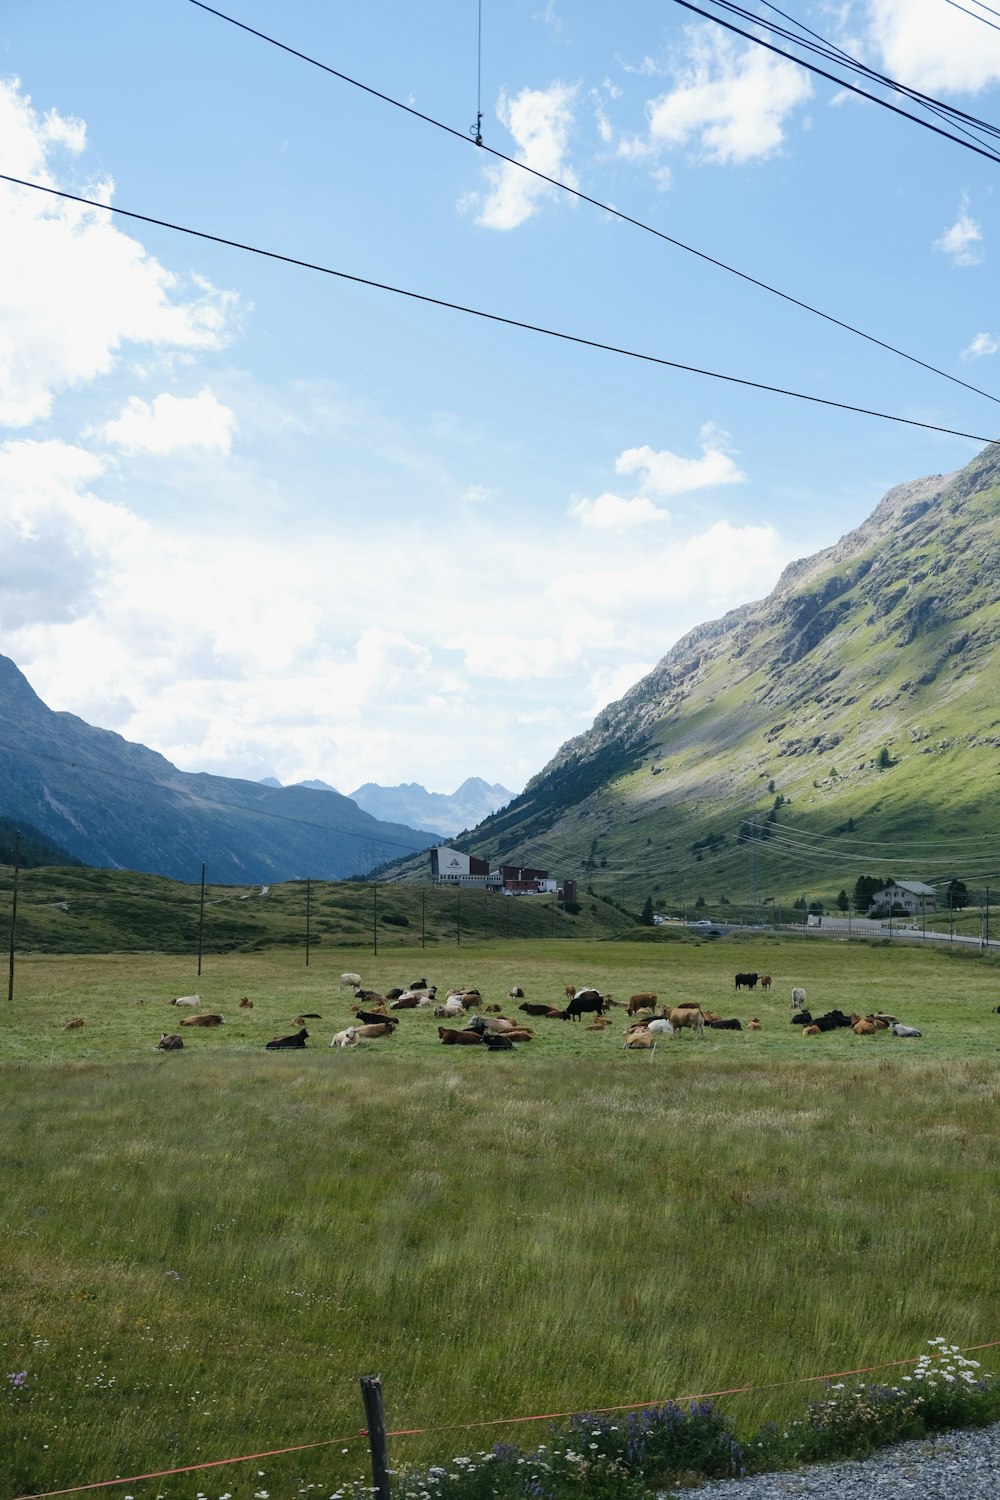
x=170, y=1041
x=733, y=1025
x=212, y=1019
x=74, y=1024
x=645, y=1000
x=346, y=1038
x=746, y=981
x=765, y=981
x=798, y=998
x=583, y=1003
x=450, y=1037
x=246, y=1003
x=350, y=981
x=187, y=1000
x=898, y=1029
x=688, y=1016
x=276, y=1042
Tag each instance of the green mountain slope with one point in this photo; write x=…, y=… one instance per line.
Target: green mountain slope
x=847, y=724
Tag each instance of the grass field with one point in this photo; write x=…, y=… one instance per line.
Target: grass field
x=203, y=1251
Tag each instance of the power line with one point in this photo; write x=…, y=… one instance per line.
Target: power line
x=606, y=208
x=490, y=317
x=832, y=78
x=973, y=14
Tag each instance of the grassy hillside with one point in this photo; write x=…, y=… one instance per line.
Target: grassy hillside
x=846, y=725
x=204, y=1250
x=82, y=910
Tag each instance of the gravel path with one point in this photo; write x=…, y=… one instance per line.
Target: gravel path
x=953, y=1466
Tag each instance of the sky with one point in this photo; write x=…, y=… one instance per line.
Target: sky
x=271, y=522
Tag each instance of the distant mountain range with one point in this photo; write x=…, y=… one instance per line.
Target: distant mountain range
x=439, y=813
x=112, y=803
x=847, y=724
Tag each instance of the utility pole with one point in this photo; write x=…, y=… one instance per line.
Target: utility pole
x=308, y=904
x=201, y=917
x=375, y=917
x=423, y=917
x=13, y=913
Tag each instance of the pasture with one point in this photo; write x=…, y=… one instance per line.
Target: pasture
x=202, y=1251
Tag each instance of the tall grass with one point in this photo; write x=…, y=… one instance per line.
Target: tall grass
x=202, y=1251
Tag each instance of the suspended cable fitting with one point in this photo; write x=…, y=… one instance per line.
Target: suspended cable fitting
x=491, y=317
x=605, y=208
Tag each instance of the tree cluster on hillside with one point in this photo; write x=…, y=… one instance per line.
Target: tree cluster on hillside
x=37, y=850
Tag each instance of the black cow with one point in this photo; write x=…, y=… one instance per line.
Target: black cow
x=297, y=1040
x=583, y=1002
x=746, y=981
x=733, y=1025
x=802, y=1018
x=376, y=1018
x=832, y=1020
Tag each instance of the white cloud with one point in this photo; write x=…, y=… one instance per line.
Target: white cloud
x=477, y=494
x=933, y=47
x=73, y=287
x=666, y=473
x=608, y=684
x=730, y=103
x=963, y=241
x=59, y=543
x=540, y=120
x=615, y=512
x=172, y=422
x=983, y=343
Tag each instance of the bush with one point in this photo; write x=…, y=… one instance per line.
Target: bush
x=395, y=919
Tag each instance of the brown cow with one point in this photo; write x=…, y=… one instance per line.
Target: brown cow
x=74, y=1025
x=246, y=1003
x=643, y=1001
x=765, y=981
x=639, y=1038
x=373, y=1030
x=450, y=1037
x=212, y=1019
x=811, y=1031
x=753, y=1024
x=686, y=1015
x=534, y=1009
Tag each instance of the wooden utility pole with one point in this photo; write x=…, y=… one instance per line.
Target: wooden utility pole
x=371, y=1395
x=13, y=913
x=201, y=918
x=308, y=906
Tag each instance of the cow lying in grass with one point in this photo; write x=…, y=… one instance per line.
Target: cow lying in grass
x=298, y=1039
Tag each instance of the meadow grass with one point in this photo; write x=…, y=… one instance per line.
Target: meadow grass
x=203, y=1251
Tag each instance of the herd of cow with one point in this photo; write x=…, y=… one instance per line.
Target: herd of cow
x=377, y=1016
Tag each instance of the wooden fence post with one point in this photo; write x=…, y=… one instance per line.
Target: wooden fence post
x=371, y=1395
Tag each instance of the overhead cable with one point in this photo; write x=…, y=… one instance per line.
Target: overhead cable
x=832, y=78
x=606, y=208
x=491, y=317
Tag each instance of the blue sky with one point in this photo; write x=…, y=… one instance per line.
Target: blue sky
x=272, y=523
